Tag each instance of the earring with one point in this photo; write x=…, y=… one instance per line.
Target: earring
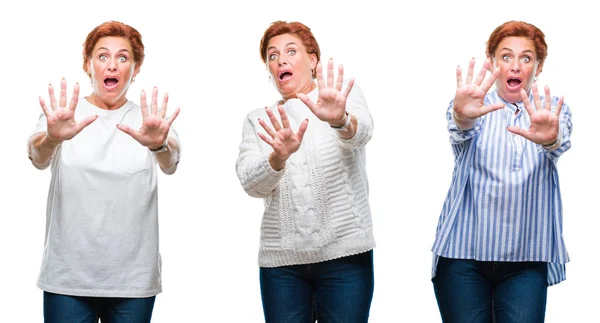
x=133, y=79
x=535, y=79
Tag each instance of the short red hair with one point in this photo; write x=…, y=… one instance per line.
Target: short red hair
x=518, y=29
x=295, y=28
x=114, y=29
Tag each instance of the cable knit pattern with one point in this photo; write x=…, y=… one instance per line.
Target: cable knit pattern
x=317, y=207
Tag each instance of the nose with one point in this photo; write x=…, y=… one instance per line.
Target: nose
x=515, y=65
x=282, y=61
x=112, y=65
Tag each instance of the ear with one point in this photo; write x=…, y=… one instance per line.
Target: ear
x=88, y=67
x=492, y=66
x=539, y=68
x=313, y=61
x=136, y=70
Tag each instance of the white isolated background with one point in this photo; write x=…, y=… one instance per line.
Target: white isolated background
x=205, y=55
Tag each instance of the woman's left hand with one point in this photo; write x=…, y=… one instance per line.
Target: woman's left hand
x=331, y=104
x=155, y=127
x=544, y=125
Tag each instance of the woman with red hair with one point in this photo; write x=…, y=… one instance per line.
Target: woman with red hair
x=305, y=156
x=499, y=241
x=101, y=257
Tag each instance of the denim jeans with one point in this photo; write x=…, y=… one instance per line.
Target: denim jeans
x=486, y=291
x=77, y=309
x=338, y=290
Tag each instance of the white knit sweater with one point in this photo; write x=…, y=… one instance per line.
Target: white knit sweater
x=316, y=207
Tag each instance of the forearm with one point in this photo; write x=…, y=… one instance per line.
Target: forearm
x=168, y=159
x=41, y=149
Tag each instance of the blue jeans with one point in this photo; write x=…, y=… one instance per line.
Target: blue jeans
x=486, y=291
x=77, y=309
x=338, y=290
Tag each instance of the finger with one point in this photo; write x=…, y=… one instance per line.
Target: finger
x=53, y=102
x=459, y=82
x=330, y=73
x=536, y=97
x=487, y=84
x=44, y=107
x=163, y=109
x=492, y=107
x=484, y=69
x=172, y=118
x=74, y=97
x=86, y=122
x=526, y=102
x=284, y=119
x=266, y=139
x=547, y=98
x=63, y=93
x=320, y=80
x=273, y=119
x=470, y=71
x=143, y=104
x=520, y=131
x=348, y=88
x=559, y=105
x=302, y=129
x=340, y=78
x=154, y=104
x=128, y=130
x=268, y=129
x=309, y=103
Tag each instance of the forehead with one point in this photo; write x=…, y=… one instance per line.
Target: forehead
x=113, y=43
x=516, y=44
x=282, y=40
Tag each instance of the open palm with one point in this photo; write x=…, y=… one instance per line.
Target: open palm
x=60, y=118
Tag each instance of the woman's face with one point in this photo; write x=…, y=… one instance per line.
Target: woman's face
x=518, y=64
x=111, y=69
x=290, y=65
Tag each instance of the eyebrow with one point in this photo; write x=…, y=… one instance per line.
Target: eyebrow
x=508, y=49
x=120, y=50
x=286, y=45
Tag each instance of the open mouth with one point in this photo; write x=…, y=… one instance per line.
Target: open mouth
x=513, y=82
x=111, y=82
x=284, y=76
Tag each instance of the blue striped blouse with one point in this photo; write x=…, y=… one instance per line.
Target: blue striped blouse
x=504, y=201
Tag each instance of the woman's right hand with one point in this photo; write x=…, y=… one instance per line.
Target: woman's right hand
x=61, y=124
x=468, y=101
x=281, y=137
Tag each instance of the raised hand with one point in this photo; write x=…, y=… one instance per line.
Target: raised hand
x=544, y=123
x=155, y=127
x=61, y=124
x=468, y=101
x=331, y=104
x=281, y=137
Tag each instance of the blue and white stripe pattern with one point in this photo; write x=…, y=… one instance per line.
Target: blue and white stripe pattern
x=504, y=201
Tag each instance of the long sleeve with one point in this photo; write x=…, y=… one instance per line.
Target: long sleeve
x=255, y=173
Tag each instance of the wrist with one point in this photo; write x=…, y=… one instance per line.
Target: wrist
x=551, y=145
x=462, y=122
x=276, y=162
x=53, y=141
x=159, y=149
x=343, y=124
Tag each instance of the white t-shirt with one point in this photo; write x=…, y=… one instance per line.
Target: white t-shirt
x=102, y=212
